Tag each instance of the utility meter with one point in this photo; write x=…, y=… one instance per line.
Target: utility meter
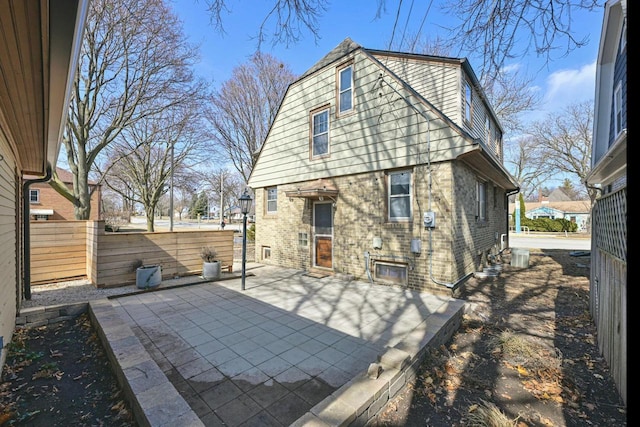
x=429, y=219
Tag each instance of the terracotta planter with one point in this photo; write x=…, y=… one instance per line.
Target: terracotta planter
x=211, y=270
x=148, y=276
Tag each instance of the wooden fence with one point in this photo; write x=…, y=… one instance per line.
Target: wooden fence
x=67, y=249
x=58, y=250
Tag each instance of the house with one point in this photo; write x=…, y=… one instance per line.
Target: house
x=39, y=48
x=608, y=173
x=47, y=204
x=383, y=166
x=577, y=211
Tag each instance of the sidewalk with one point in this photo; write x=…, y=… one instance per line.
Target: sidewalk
x=289, y=350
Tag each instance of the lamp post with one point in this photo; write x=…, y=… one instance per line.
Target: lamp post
x=245, y=204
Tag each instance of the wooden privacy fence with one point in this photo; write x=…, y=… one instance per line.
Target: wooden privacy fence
x=58, y=250
x=67, y=249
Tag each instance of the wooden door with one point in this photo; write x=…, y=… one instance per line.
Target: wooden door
x=323, y=234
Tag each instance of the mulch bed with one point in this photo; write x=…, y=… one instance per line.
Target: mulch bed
x=59, y=375
x=526, y=356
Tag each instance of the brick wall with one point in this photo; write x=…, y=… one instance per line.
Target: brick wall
x=62, y=208
x=456, y=247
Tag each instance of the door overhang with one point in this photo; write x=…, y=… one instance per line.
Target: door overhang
x=317, y=190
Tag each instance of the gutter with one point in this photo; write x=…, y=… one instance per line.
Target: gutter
x=26, y=247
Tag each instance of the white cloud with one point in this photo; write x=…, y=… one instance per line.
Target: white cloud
x=569, y=86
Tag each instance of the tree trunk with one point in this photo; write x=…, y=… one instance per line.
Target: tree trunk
x=150, y=214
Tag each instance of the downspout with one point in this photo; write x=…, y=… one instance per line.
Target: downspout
x=26, y=247
x=506, y=196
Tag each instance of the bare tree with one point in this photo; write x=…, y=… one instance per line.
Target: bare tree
x=524, y=160
x=564, y=141
x=149, y=151
x=132, y=52
x=245, y=106
x=494, y=30
x=290, y=18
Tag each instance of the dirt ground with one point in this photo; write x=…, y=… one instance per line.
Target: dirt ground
x=59, y=375
x=526, y=356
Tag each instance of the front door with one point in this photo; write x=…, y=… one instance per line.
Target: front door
x=323, y=234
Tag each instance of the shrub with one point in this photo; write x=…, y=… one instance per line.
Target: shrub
x=209, y=254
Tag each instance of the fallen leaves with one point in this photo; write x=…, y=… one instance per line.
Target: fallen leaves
x=59, y=375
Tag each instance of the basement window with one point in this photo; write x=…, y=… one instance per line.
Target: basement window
x=391, y=273
x=266, y=252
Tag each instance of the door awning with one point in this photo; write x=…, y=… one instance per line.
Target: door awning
x=316, y=190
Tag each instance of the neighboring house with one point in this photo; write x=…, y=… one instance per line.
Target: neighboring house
x=47, y=204
x=609, y=214
x=385, y=166
x=39, y=48
x=578, y=211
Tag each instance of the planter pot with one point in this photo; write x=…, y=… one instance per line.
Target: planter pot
x=148, y=276
x=211, y=270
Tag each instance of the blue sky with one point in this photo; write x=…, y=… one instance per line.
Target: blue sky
x=566, y=80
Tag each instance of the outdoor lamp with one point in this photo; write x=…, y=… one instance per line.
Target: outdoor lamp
x=245, y=205
x=245, y=202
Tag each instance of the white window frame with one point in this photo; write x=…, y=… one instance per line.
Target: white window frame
x=623, y=38
x=617, y=108
x=37, y=194
x=315, y=134
x=272, y=200
x=487, y=131
x=468, y=102
x=408, y=195
x=481, y=201
x=344, y=90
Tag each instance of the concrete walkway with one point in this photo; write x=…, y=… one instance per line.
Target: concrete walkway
x=291, y=349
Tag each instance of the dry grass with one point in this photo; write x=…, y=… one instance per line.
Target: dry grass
x=488, y=415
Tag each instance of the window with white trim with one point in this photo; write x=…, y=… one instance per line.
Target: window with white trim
x=481, y=201
x=617, y=106
x=623, y=38
x=272, y=200
x=487, y=130
x=399, y=197
x=34, y=196
x=468, y=102
x=345, y=89
x=320, y=133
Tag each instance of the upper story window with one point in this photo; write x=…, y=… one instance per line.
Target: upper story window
x=399, y=197
x=320, y=133
x=345, y=89
x=481, y=201
x=617, y=108
x=487, y=131
x=468, y=102
x=34, y=196
x=272, y=200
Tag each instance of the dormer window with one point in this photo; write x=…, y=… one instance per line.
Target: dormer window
x=345, y=89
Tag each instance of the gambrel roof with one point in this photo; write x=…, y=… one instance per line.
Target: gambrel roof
x=389, y=125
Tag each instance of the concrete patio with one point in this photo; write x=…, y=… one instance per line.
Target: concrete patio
x=291, y=349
